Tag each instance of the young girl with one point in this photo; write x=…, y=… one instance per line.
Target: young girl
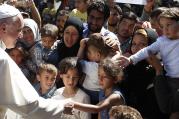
x=21, y=58
x=70, y=72
x=109, y=74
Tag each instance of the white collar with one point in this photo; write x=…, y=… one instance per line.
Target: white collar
x=2, y=45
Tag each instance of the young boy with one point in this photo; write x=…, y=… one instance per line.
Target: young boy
x=81, y=10
x=124, y=112
x=96, y=51
x=167, y=90
x=46, y=76
x=49, y=34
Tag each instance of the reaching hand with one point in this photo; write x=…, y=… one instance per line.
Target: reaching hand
x=121, y=60
x=68, y=108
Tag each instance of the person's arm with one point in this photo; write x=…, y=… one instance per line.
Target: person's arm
x=114, y=99
x=34, y=12
x=81, y=50
x=144, y=53
x=147, y=10
x=19, y=95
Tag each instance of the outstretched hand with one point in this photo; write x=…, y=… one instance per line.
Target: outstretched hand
x=122, y=61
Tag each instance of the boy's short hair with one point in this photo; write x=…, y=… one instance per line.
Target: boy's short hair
x=111, y=68
x=70, y=63
x=47, y=67
x=171, y=13
x=97, y=40
x=124, y=112
x=49, y=30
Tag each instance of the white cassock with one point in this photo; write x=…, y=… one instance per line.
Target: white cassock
x=17, y=94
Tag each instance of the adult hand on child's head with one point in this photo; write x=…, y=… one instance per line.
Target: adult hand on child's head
x=113, y=43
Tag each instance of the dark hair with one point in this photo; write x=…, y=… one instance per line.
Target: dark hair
x=49, y=30
x=78, y=24
x=25, y=54
x=130, y=15
x=100, y=6
x=70, y=63
x=124, y=112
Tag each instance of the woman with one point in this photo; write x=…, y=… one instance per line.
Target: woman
x=68, y=46
x=138, y=84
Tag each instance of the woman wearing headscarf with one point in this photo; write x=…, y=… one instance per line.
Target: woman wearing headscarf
x=31, y=38
x=68, y=46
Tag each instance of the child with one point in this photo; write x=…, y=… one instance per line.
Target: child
x=97, y=50
x=49, y=34
x=20, y=56
x=168, y=46
x=81, y=10
x=61, y=19
x=124, y=112
x=46, y=76
x=109, y=74
x=70, y=72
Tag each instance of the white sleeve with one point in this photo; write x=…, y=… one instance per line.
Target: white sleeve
x=144, y=53
x=19, y=95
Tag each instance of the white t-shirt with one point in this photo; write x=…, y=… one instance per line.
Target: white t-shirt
x=91, y=80
x=81, y=97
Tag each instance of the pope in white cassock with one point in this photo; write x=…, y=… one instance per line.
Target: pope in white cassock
x=16, y=93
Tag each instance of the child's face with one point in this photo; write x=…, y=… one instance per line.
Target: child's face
x=28, y=35
x=138, y=42
x=47, y=42
x=155, y=25
x=81, y=5
x=92, y=54
x=70, y=79
x=167, y=26
x=71, y=36
x=105, y=81
x=47, y=80
x=16, y=55
x=60, y=22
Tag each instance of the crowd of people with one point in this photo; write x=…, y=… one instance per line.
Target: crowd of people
x=89, y=59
